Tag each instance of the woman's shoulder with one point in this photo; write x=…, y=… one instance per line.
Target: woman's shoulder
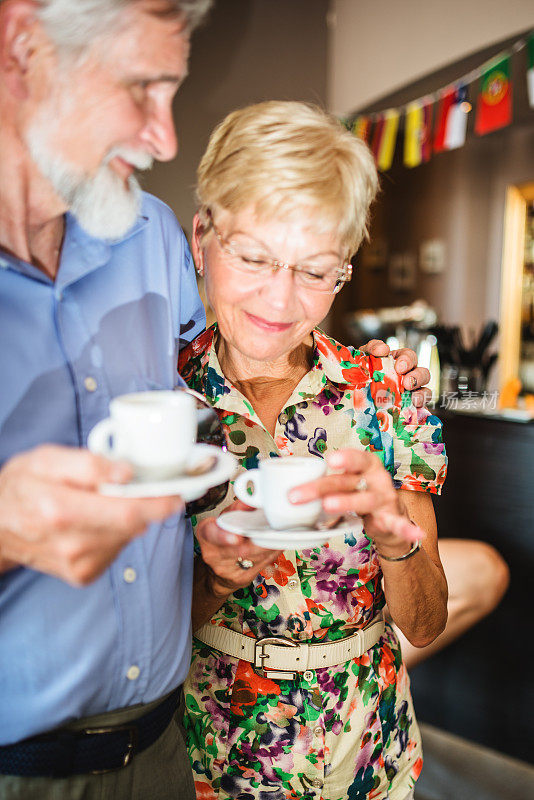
x=349, y=365
x=341, y=363
x=194, y=355
x=201, y=344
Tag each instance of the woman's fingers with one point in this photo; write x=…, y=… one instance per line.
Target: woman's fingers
x=360, y=472
x=352, y=460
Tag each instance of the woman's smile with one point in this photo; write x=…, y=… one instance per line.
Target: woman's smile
x=268, y=325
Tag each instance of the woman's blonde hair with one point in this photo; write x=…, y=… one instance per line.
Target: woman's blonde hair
x=283, y=157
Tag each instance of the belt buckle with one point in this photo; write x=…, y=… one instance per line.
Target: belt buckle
x=131, y=746
x=260, y=656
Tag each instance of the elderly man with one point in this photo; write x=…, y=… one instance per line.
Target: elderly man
x=96, y=286
x=96, y=290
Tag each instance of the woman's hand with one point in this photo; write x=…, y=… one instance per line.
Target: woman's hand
x=221, y=556
x=362, y=485
x=219, y=573
x=415, y=588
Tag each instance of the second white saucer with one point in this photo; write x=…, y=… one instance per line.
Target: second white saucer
x=254, y=525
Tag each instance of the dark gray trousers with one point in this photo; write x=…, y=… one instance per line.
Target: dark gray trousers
x=161, y=772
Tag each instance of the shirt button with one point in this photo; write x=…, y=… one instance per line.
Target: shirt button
x=303, y=636
x=292, y=584
x=317, y=783
x=90, y=384
x=318, y=731
x=308, y=676
x=133, y=672
x=129, y=575
x=282, y=418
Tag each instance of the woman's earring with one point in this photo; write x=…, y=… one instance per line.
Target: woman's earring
x=200, y=263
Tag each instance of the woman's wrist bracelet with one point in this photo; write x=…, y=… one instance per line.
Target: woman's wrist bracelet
x=414, y=548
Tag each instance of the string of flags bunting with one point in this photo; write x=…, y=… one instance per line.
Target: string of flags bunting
x=438, y=121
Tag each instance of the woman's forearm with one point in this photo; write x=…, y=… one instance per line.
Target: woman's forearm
x=416, y=588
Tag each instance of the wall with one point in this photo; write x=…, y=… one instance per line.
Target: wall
x=249, y=50
x=377, y=46
x=459, y=197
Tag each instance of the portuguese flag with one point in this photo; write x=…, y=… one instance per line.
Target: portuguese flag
x=494, y=106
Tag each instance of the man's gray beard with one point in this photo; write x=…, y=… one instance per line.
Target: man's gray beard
x=103, y=204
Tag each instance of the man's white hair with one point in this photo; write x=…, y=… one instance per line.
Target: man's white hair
x=73, y=24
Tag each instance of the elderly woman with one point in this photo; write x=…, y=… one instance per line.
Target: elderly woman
x=284, y=196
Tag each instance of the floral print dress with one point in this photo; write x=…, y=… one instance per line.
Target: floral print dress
x=340, y=732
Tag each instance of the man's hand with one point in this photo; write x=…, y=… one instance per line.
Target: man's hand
x=405, y=364
x=53, y=519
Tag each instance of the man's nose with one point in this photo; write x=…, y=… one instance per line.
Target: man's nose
x=159, y=133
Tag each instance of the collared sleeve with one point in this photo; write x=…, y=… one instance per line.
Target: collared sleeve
x=414, y=435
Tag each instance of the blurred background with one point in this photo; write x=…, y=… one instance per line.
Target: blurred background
x=449, y=270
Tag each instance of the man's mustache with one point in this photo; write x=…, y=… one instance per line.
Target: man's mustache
x=137, y=158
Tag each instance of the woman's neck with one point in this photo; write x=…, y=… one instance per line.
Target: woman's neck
x=267, y=385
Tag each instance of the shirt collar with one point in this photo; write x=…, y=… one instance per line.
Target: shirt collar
x=331, y=361
x=339, y=363
x=80, y=254
x=83, y=253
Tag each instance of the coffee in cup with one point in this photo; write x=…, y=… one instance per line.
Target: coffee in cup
x=267, y=488
x=155, y=431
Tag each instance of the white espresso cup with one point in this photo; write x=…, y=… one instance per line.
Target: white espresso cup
x=155, y=431
x=267, y=488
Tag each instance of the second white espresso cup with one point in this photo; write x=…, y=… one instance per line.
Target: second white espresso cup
x=267, y=488
x=155, y=431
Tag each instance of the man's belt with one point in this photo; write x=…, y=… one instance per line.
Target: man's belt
x=64, y=752
x=278, y=657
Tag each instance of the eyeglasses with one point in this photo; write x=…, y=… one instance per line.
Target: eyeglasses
x=307, y=276
x=209, y=431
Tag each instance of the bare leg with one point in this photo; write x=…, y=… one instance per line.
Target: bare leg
x=477, y=577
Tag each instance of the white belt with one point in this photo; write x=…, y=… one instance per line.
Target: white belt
x=285, y=656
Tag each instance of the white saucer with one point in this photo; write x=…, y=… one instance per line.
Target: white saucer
x=254, y=525
x=189, y=487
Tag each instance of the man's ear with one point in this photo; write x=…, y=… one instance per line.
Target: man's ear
x=199, y=229
x=20, y=36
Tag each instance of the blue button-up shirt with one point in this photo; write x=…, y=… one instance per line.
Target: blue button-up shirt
x=110, y=323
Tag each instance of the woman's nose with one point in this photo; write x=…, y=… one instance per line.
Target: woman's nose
x=280, y=288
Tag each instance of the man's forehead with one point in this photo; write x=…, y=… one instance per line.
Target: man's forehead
x=144, y=40
x=164, y=10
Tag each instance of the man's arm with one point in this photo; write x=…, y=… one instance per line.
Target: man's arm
x=53, y=519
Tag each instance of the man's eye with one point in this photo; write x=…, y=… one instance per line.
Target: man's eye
x=138, y=90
